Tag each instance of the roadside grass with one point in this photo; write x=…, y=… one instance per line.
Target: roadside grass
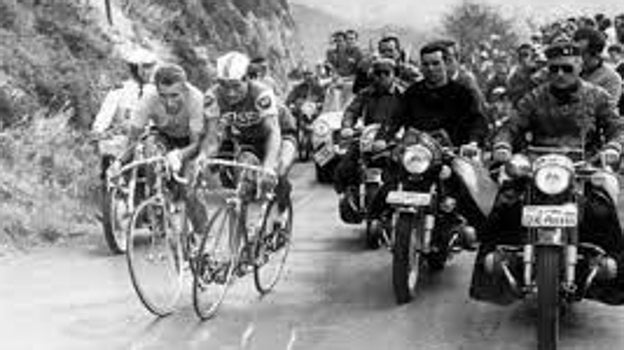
x=48, y=183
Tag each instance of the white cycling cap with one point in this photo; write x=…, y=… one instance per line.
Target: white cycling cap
x=139, y=56
x=232, y=66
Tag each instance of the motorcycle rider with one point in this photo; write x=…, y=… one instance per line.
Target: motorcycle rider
x=255, y=121
x=375, y=104
x=309, y=89
x=433, y=104
x=564, y=112
x=388, y=47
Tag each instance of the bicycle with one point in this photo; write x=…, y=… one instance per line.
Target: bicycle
x=122, y=192
x=159, y=231
x=232, y=244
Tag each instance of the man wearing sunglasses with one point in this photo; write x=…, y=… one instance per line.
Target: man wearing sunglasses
x=592, y=43
x=564, y=112
x=375, y=104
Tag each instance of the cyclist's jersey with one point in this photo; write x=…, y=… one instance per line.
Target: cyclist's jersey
x=244, y=122
x=188, y=123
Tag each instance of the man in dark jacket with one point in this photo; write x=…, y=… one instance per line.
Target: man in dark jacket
x=564, y=112
x=434, y=104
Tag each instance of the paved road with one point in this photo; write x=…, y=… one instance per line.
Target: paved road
x=334, y=295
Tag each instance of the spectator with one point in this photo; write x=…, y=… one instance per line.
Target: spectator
x=520, y=79
x=340, y=57
x=592, y=44
x=617, y=55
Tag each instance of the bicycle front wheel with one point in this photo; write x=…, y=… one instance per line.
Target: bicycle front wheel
x=155, y=257
x=215, y=262
x=272, y=246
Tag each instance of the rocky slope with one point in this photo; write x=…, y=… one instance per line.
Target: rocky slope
x=58, y=58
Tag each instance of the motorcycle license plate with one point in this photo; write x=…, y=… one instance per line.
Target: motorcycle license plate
x=550, y=216
x=373, y=175
x=416, y=199
x=324, y=155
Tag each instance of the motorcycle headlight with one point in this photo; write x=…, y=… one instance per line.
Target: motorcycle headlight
x=552, y=179
x=321, y=128
x=417, y=159
x=553, y=173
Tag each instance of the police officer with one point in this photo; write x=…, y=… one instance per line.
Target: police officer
x=564, y=112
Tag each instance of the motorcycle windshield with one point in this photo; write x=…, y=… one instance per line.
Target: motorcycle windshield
x=477, y=180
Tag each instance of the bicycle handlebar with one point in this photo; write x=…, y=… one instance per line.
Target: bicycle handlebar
x=146, y=161
x=235, y=164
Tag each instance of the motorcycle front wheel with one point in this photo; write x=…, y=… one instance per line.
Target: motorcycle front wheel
x=548, y=270
x=406, y=258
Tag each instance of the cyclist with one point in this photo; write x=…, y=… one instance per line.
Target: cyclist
x=175, y=109
x=119, y=105
x=251, y=113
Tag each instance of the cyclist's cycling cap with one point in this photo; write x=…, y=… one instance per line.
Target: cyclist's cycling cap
x=139, y=56
x=232, y=66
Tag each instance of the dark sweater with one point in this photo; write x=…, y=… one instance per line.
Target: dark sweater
x=452, y=107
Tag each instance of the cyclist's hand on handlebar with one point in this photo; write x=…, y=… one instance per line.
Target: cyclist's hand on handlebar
x=174, y=158
x=113, y=169
x=346, y=133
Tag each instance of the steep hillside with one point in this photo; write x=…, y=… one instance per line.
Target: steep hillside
x=58, y=58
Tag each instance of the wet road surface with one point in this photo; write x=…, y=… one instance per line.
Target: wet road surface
x=334, y=295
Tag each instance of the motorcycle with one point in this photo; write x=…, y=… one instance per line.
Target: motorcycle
x=356, y=206
x=306, y=114
x=424, y=226
x=550, y=262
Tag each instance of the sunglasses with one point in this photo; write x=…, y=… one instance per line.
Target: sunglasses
x=555, y=68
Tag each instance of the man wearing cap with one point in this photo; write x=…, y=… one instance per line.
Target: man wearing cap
x=592, y=43
x=564, y=112
x=374, y=104
x=388, y=47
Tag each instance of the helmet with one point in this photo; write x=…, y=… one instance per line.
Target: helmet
x=232, y=66
x=139, y=56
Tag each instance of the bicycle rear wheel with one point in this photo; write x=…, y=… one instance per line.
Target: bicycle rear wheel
x=272, y=247
x=155, y=257
x=215, y=263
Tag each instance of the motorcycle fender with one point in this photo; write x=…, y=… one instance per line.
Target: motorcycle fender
x=550, y=237
x=477, y=180
x=418, y=228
